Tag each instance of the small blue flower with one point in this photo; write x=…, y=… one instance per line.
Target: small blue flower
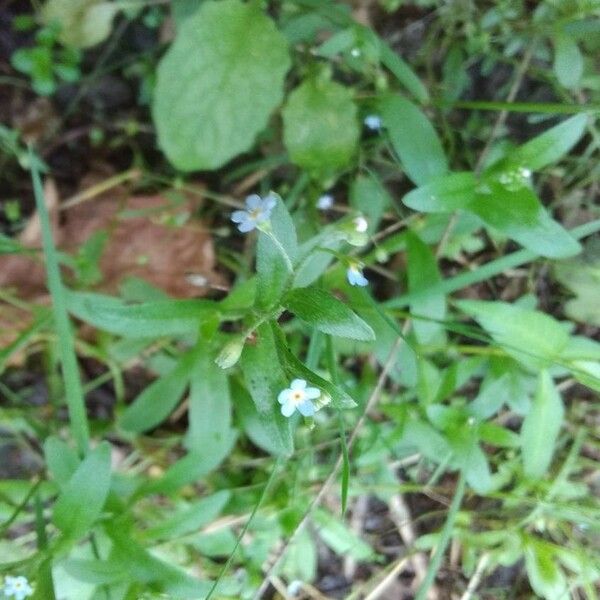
x=355, y=275
x=298, y=397
x=373, y=122
x=17, y=587
x=325, y=202
x=258, y=210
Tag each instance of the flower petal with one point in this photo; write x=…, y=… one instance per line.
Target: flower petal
x=287, y=409
x=312, y=393
x=247, y=225
x=237, y=216
x=298, y=384
x=306, y=408
x=253, y=201
x=269, y=202
x=284, y=396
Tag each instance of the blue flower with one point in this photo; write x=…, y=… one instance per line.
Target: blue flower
x=325, y=202
x=355, y=275
x=258, y=210
x=298, y=397
x=373, y=122
x=17, y=587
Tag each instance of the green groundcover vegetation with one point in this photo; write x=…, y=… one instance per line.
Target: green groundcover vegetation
x=389, y=388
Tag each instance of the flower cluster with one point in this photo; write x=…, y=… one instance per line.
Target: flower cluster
x=17, y=587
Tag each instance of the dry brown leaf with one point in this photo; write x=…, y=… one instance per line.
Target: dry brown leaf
x=142, y=242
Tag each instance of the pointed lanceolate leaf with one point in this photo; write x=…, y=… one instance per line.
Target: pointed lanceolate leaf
x=514, y=211
x=327, y=314
x=533, y=338
x=218, y=84
x=518, y=214
x=264, y=380
x=543, y=570
x=547, y=147
x=156, y=402
x=414, y=139
x=423, y=273
x=82, y=498
x=276, y=253
x=541, y=427
x=150, y=319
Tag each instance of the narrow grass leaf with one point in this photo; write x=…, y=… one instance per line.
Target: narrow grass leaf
x=66, y=346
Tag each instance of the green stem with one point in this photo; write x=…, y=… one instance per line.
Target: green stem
x=66, y=345
x=244, y=529
x=446, y=534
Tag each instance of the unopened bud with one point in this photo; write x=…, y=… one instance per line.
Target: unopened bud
x=230, y=353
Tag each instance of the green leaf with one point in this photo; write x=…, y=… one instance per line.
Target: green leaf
x=296, y=369
x=189, y=469
x=264, y=380
x=83, y=23
x=151, y=319
x=61, y=460
x=514, y=211
x=414, y=139
x=209, y=414
x=547, y=147
x=403, y=73
x=218, y=84
x=156, y=402
x=568, y=61
x=581, y=275
x=145, y=568
x=422, y=273
x=342, y=540
x=320, y=126
x=370, y=197
x=275, y=255
x=545, y=576
x=533, y=338
x=541, y=427
x=183, y=9
x=98, y=572
x=82, y=498
x=519, y=215
x=189, y=519
x=327, y=314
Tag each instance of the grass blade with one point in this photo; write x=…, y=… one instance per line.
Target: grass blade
x=66, y=345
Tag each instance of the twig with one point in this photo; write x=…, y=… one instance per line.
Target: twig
x=476, y=579
x=373, y=399
x=356, y=524
x=400, y=514
x=445, y=535
x=388, y=579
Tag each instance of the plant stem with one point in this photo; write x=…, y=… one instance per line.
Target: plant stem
x=436, y=561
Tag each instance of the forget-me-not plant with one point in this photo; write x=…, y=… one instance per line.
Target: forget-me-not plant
x=298, y=397
x=258, y=210
x=17, y=587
